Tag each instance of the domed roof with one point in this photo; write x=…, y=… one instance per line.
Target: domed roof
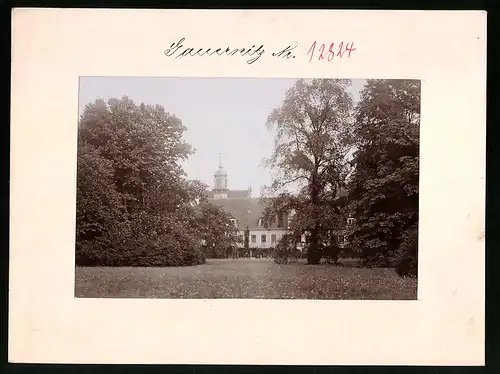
x=220, y=171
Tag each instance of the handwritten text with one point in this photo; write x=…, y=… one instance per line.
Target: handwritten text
x=326, y=51
x=333, y=51
x=178, y=50
x=286, y=52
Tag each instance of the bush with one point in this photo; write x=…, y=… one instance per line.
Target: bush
x=406, y=265
x=261, y=252
x=286, y=250
x=131, y=244
x=89, y=253
x=219, y=251
x=138, y=255
x=331, y=253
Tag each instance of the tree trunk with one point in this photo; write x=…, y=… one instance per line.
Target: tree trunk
x=247, y=238
x=313, y=254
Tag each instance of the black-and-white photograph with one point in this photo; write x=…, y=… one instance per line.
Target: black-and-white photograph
x=247, y=188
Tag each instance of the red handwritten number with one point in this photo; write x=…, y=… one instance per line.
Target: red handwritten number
x=350, y=49
x=331, y=53
x=321, y=50
x=340, y=53
x=311, y=51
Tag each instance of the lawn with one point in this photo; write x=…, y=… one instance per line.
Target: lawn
x=245, y=278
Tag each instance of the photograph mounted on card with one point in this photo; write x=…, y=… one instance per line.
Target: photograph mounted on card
x=278, y=172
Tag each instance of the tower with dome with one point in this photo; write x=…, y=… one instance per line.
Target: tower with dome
x=220, y=189
x=246, y=212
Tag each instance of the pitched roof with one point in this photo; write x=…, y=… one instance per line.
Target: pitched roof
x=237, y=194
x=246, y=211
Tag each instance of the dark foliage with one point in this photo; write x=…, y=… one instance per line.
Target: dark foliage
x=134, y=204
x=384, y=184
x=407, y=263
x=247, y=238
x=316, y=131
x=286, y=249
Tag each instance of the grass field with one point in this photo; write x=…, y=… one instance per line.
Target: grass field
x=245, y=278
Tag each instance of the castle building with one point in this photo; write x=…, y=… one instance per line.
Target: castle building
x=246, y=213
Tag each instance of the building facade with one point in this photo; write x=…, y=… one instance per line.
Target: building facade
x=247, y=213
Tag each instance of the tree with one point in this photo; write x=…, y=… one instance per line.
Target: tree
x=247, y=238
x=134, y=204
x=144, y=144
x=313, y=139
x=286, y=249
x=384, y=186
x=407, y=262
x=217, y=230
x=99, y=205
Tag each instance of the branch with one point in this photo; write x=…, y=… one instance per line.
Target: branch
x=276, y=185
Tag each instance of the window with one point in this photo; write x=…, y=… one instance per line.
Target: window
x=240, y=237
x=233, y=221
x=350, y=221
x=263, y=238
x=273, y=238
x=254, y=238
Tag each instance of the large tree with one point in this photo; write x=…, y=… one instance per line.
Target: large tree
x=99, y=206
x=134, y=203
x=383, y=188
x=144, y=144
x=217, y=230
x=313, y=129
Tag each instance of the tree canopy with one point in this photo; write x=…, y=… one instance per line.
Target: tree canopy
x=314, y=134
x=325, y=145
x=384, y=186
x=135, y=206
x=217, y=231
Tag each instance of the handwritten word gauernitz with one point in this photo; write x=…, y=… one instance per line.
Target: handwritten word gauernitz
x=335, y=50
x=178, y=50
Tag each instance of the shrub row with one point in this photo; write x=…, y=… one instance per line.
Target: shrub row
x=95, y=253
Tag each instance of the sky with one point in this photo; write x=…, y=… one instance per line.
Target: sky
x=222, y=115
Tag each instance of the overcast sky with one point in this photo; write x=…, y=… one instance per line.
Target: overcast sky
x=222, y=115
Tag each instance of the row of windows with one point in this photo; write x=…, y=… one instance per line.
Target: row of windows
x=263, y=238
